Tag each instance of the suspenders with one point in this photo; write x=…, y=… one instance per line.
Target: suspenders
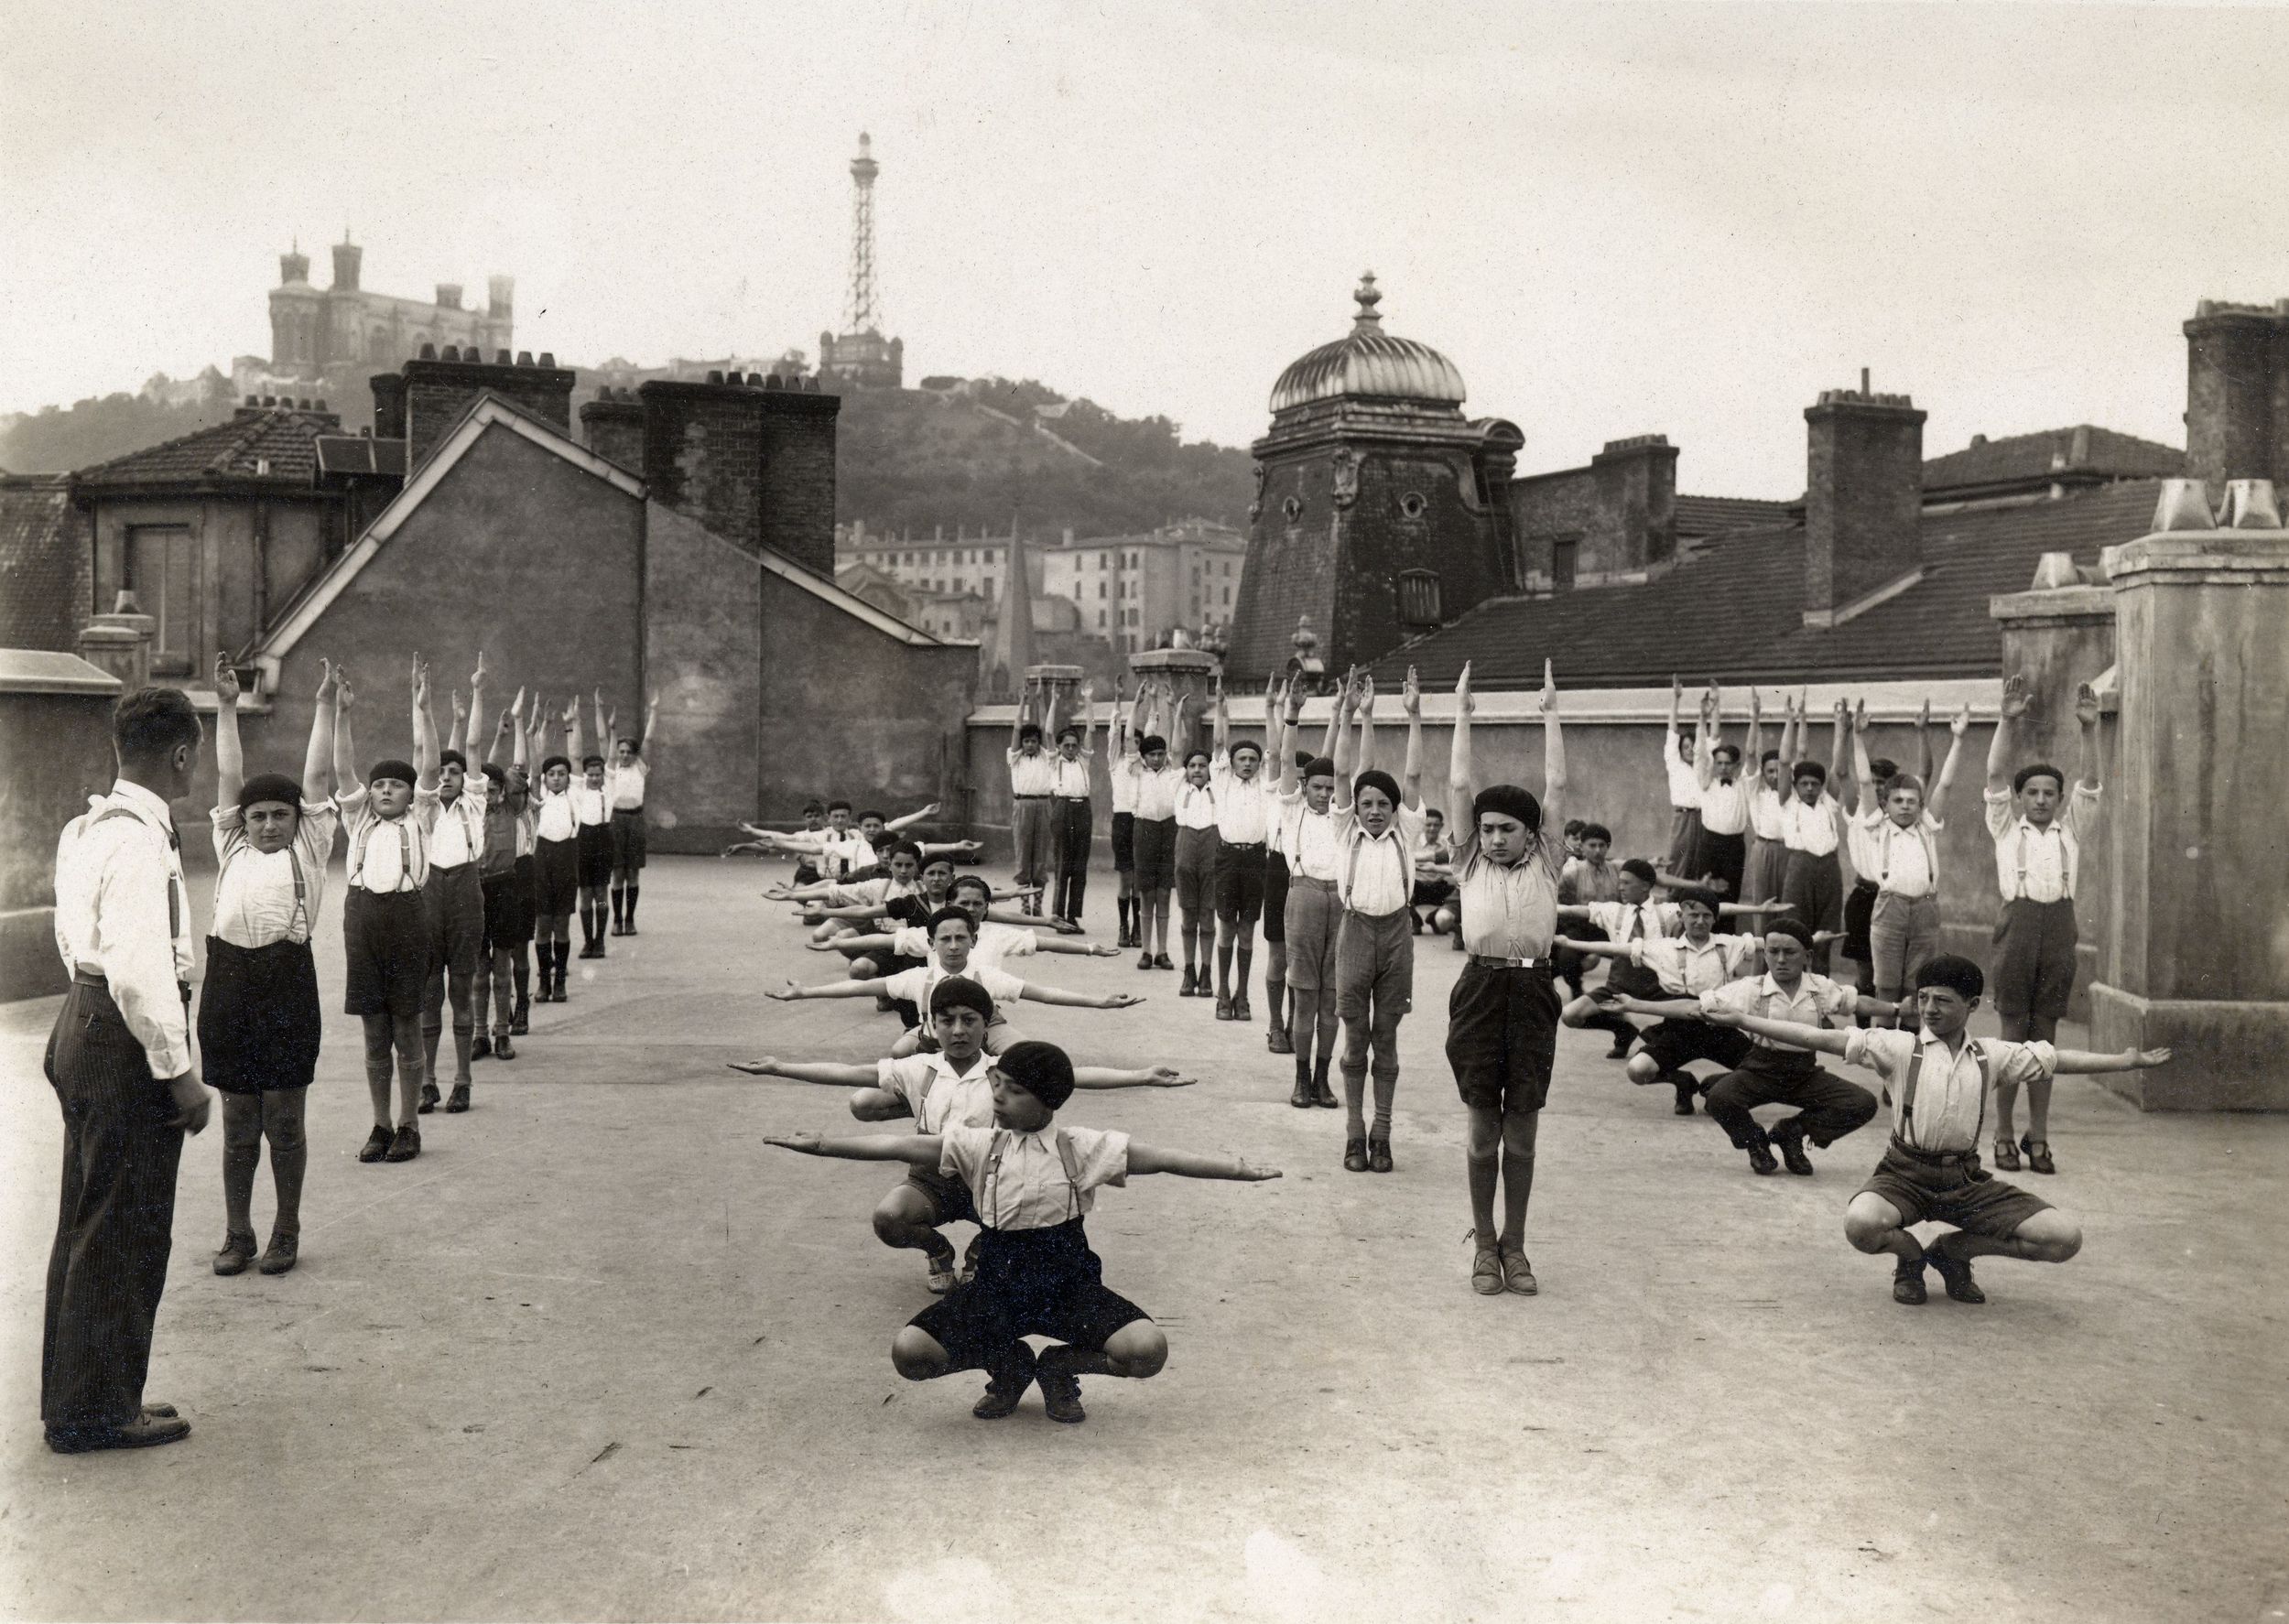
x=1915, y=1074
x=301, y=913
x=1931, y=863
x=1407, y=866
x=2067, y=854
x=357, y=871
x=1067, y=1157
x=174, y=897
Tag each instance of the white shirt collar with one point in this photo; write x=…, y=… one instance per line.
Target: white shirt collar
x=142, y=800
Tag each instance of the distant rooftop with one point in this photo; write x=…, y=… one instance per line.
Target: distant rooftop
x=2080, y=454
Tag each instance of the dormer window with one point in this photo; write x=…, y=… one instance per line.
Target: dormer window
x=1418, y=598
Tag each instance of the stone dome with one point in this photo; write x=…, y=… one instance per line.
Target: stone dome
x=1369, y=362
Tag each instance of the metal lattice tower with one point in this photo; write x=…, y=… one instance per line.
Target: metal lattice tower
x=862, y=316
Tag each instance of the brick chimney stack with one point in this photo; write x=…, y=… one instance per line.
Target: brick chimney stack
x=1863, y=501
x=438, y=392
x=389, y=404
x=704, y=452
x=798, y=452
x=613, y=426
x=2236, y=393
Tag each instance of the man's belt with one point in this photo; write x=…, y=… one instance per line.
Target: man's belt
x=1317, y=884
x=95, y=977
x=627, y=811
x=1935, y=1158
x=1077, y=800
x=1039, y=797
x=1243, y=845
x=1492, y=961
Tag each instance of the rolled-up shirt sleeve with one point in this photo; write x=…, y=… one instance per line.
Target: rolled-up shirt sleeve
x=138, y=949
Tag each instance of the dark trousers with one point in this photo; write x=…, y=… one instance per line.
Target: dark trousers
x=1814, y=888
x=115, y=1220
x=1074, y=827
x=1828, y=1106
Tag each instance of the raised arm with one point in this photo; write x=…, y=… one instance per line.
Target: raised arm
x=1923, y=745
x=1864, y=774
x=1552, y=755
x=345, y=752
x=1677, y=712
x=1411, y=780
x=1088, y=717
x=1752, y=748
x=651, y=722
x=230, y=758
x=1958, y=725
x=1789, y=745
x=1344, y=742
x=1335, y=717
x=1708, y=736
x=1838, y=730
x=476, y=709
x=918, y=1150
x=576, y=741
x=1365, y=710
x=1461, y=783
x=1221, y=741
x=603, y=728
x=2016, y=696
x=2087, y=720
x=1283, y=769
x=1145, y=1158
x=318, y=759
x=424, y=729
x=918, y=815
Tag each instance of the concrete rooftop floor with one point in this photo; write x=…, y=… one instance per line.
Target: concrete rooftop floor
x=601, y=1353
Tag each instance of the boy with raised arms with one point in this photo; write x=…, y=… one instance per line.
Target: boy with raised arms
x=1937, y=1081
x=1246, y=804
x=947, y=1085
x=1308, y=834
x=627, y=777
x=450, y=806
x=1894, y=846
x=1032, y=1182
x=1156, y=780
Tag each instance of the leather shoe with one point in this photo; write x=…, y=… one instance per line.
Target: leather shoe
x=1907, y=1283
x=429, y=1098
x=1224, y=1011
x=1162, y=961
x=1003, y=1388
x=1301, y=1098
x=1191, y=983
x=404, y=1145
x=1240, y=1009
x=238, y=1252
x=502, y=1049
x=1060, y=1390
x=1789, y=1136
x=459, y=1102
x=2038, y=1154
x=142, y=1433
x=1378, y=1154
x=1321, y=1095
x=1277, y=1041
x=1518, y=1274
x=1761, y=1159
x=377, y=1145
x=483, y=1048
x=1145, y=959
x=1956, y=1273
x=1355, y=1155
x=1685, y=1089
x=279, y=1257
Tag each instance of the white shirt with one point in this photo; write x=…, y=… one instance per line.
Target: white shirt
x=1124, y=781
x=868, y=894
x=1810, y=829
x=1031, y=775
x=589, y=804
x=1949, y=1108
x=937, y=1094
x=1196, y=806
x=1901, y=861
x=1509, y=911
x=1686, y=971
x=386, y=854
x=2040, y=865
x=1309, y=839
x=553, y=817
x=1635, y=922
x=1070, y=780
x=1243, y=806
x=623, y=786
x=1156, y=791
x=1724, y=807
x=121, y=913
x=1684, y=780
x=995, y=943
x=1765, y=812
x=457, y=832
x=915, y=985
x=262, y=897
x=1378, y=876
x=1815, y=999
x=1019, y=1181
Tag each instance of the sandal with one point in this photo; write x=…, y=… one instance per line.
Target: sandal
x=2006, y=1157
x=1486, y=1269
x=2038, y=1154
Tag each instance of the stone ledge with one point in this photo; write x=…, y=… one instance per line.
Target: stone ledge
x=2229, y=1056
x=2053, y=605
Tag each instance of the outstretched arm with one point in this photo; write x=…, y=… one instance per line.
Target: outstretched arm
x=919, y=815
x=1958, y=725
x=1144, y=1158
x=230, y=758
x=796, y=992
x=1138, y=1076
x=2085, y=1060
x=1793, y=1033
x=318, y=759
x=918, y=1150
x=1037, y=993
x=807, y=1071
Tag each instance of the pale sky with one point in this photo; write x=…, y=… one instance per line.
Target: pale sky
x=1616, y=221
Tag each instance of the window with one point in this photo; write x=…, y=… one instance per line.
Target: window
x=1565, y=554
x=160, y=570
x=1418, y=598
x=1101, y=620
x=1100, y=588
x=1227, y=594
x=1412, y=504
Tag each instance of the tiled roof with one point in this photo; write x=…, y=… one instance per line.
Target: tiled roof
x=1711, y=515
x=1737, y=613
x=2081, y=451
x=285, y=441
x=359, y=453
x=37, y=570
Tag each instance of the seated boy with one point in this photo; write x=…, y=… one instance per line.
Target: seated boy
x=1031, y=1184
x=946, y=1086
x=1683, y=966
x=1937, y=1082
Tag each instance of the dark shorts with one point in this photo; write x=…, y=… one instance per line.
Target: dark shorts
x=1501, y=1037
x=1431, y=894
x=386, y=945
x=1123, y=842
x=454, y=905
x=1155, y=853
x=1674, y=1044
x=1314, y=915
x=1030, y=1282
x=948, y=1198
x=528, y=876
x=2034, y=973
x=627, y=840
x=1196, y=869
x=594, y=844
x=508, y=913
x=1924, y=1192
x=1275, y=898
x=258, y=1020
x=556, y=876
x=1240, y=876
x=1374, y=965
x=807, y=872
x=1860, y=906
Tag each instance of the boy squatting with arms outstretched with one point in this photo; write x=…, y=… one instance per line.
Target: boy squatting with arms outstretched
x=1937, y=1082
x=1031, y=1183
x=949, y=1086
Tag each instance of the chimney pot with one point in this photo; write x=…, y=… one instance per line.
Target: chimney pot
x=524, y=358
x=253, y=400
x=500, y=359
x=548, y=358
x=715, y=375
x=2184, y=504
x=428, y=351
x=774, y=382
x=451, y=353
x=270, y=400
x=323, y=405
